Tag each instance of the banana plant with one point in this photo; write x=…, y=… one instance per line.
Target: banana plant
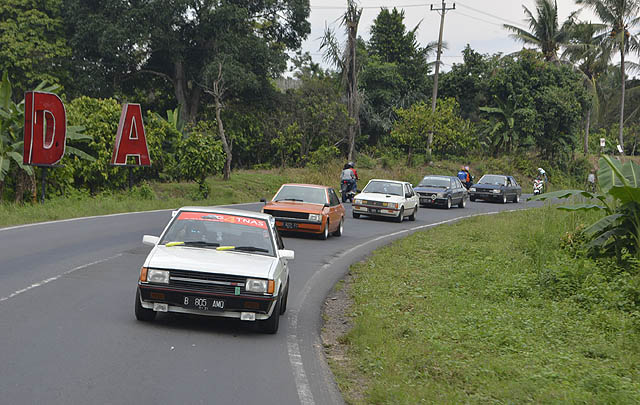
x=619, y=199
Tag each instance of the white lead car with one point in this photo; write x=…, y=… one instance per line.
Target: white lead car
x=387, y=198
x=217, y=262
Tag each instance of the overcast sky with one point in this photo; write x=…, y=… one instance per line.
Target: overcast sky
x=474, y=22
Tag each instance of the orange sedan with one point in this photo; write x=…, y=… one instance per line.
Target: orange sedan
x=307, y=208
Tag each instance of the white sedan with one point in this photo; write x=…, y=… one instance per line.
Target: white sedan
x=216, y=262
x=387, y=198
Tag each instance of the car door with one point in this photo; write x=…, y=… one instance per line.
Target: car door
x=335, y=209
x=517, y=190
x=411, y=197
x=510, y=189
x=456, y=188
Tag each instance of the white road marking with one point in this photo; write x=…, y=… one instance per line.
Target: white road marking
x=47, y=281
x=293, y=347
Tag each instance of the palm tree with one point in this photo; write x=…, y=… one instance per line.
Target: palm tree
x=591, y=56
x=545, y=33
x=618, y=16
x=345, y=60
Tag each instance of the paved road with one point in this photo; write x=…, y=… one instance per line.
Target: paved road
x=68, y=334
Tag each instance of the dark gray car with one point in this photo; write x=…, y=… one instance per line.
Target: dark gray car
x=496, y=187
x=443, y=191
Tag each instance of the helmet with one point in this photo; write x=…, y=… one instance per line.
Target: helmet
x=541, y=170
x=466, y=168
x=351, y=164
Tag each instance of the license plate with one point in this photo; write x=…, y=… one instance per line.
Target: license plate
x=425, y=200
x=289, y=225
x=375, y=210
x=202, y=303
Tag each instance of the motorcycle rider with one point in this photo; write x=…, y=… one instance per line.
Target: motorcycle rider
x=465, y=176
x=542, y=175
x=349, y=175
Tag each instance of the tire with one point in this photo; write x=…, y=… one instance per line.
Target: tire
x=448, y=203
x=504, y=198
x=516, y=198
x=356, y=215
x=412, y=217
x=325, y=232
x=283, y=306
x=143, y=314
x=400, y=216
x=340, y=230
x=271, y=324
x=462, y=203
x=472, y=199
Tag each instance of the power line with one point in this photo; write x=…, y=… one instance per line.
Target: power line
x=488, y=14
x=369, y=7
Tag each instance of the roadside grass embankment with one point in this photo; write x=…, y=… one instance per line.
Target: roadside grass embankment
x=244, y=186
x=493, y=309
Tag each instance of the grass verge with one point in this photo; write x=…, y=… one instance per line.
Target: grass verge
x=495, y=309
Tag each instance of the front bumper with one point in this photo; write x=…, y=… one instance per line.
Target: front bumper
x=234, y=304
x=428, y=200
x=299, y=225
x=375, y=210
x=486, y=196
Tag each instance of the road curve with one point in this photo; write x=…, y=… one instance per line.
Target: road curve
x=68, y=334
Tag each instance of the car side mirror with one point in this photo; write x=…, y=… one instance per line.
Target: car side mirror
x=286, y=254
x=150, y=240
x=263, y=200
x=407, y=195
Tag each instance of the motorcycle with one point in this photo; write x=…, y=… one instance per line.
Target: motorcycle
x=538, y=186
x=347, y=191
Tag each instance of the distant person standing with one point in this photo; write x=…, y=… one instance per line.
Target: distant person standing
x=591, y=181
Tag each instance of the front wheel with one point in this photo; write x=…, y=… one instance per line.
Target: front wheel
x=472, y=199
x=338, y=232
x=271, y=324
x=504, y=198
x=283, y=306
x=448, y=202
x=400, y=216
x=143, y=314
x=325, y=231
x=516, y=198
x=463, y=203
x=412, y=217
x=356, y=215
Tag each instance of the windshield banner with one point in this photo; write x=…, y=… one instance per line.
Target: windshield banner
x=232, y=219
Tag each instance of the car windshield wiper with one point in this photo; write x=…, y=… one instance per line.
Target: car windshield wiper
x=192, y=243
x=290, y=199
x=244, y=248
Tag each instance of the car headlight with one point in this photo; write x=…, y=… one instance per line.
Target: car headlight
x=158, y=276
x=260, y=285
x=439, y=195
x=357, y=202
x=315, y=217
x=472, y=189
x=496, y=191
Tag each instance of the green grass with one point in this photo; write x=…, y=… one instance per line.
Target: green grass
x=492, y=310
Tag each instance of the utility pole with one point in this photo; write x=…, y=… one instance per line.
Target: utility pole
x=434, y=97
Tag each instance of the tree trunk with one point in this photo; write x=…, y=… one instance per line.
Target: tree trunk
x=33, y=188
x=19, y=198
x=1, y=189
x=410, y=156
x=586, y=132
x=620, y=133
x=218, y=92
x=188, y=99
x=353, y=105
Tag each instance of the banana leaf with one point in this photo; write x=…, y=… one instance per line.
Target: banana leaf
x=602, y=224
x=562, y=194
x=79, y=153
x=625, y=194
x=582, y=207
x=601, y=240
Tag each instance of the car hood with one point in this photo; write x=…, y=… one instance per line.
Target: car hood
x=423, y=189
x=481, y=187
x=379, y=197
x=294, y=206
x=211, y=261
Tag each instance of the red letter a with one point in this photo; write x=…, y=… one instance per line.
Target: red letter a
x=45, y=129
x=131, y=139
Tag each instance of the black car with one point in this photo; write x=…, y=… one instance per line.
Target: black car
x=496, y=187
x=444, y=191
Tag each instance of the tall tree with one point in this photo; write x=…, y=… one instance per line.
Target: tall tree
x=346, y=61
x=545, y=32
x=619, y=17
x=591, y=57
x=32, y=42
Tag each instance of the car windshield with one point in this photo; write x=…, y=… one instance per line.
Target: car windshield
x=493, y=179
x=219, y=231
x=434, y=182
x=383, y=187
x=306, y=194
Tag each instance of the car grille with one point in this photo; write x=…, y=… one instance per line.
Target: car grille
x=287, y=214
x=209, y=283
x=373, y=203
x=430, y=195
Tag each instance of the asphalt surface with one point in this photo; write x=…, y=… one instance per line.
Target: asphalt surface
x=68, y=334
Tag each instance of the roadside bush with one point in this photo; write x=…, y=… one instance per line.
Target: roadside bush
x=323, y=155
x=199, y=156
